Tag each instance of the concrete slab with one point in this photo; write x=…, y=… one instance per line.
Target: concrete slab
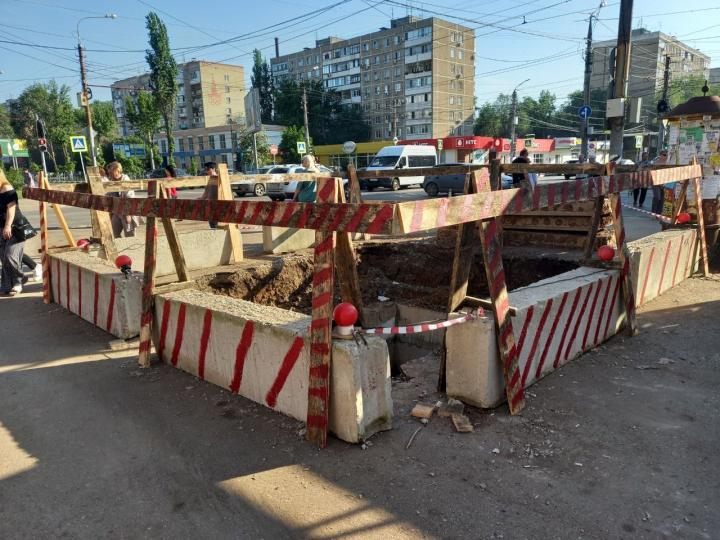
x=283, y=240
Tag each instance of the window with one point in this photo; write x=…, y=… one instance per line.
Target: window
x=418, y=33
x=461, y=54
x=211, y=142
x=421, y=161
x=366, y=47
x=387, y=73
x=222, y=140
x=387, y=42
x=397, y=39
x=228, y=111
x=397, y=71
x=233, y=139
x=227, y=89
x=375, y=44
x=191, y=146
x=398, y=87
x=452, y=52
x=181, y=144
x=163, y=146
x=227, y=78
x=537, y=158
x=227, y=100
x=201, y=144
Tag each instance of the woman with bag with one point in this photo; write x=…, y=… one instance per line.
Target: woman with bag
x=15, y=230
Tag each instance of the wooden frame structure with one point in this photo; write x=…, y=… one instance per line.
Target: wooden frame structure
x=476, y=213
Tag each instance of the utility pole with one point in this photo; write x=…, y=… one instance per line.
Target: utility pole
x=394, y=121
x=586, y=87
x=86, y=102
x=307, y=128
x=663, y=106
x=513, y=124
x=622, y=73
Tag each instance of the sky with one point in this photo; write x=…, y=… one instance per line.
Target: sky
x=542, y=40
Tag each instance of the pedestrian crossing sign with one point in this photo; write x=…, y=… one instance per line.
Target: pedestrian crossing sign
x=78, y=143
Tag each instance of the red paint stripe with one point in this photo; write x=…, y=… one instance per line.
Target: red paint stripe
x=517, y=398
x=321, y=218
x=204, y=341
x=56, y=279
x=326, y=191
x=523, y=332
x=319, y=324
x=285, y=368
x=96, y=298
x=377, y=224
x=591, y=314
x=517, y=202
x=320, y=348
x=179, y=331
x=578, y=189
x=601, y=315
x=324, y=246
x=416, y=222
x=290, y=209
x=564, y=195
x=677, y=262
x=616, y=293
x=241, y=355
x=321, y=372
x=111, y=306
x=551, y=195
x=242, y=210
x=538, y=333
x=164, y=328
x=536, y=198
x=339, y=216
x=79, y=285
x=316, y=420
x=664, y=264
x=498, y=282
x=67, y=286
x=302, y=222
x=573, y=335
x=573, y=307
x=442, y=213
x=357, y=218
x=322, y=276
x=321, y=299
x=647, y=275
x=551, y=335
x=256, y=214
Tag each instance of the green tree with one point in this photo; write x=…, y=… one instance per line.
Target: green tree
x=6, y=130
x=194, y=166
x=263, y=81
x=288, y=144
x=104, y=120
x=247, y=152
x=494, y=118
x=144, y=116
x=163, y=75
x=51, y=102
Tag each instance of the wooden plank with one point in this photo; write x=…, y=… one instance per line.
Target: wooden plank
x=146, y=313
x=701, y=228
x=495, y=175
x=173, y=240
x=320, y=328
x=465, y=247
x=495, y=275
x=486, y=303
x=225, y=194
x=59, y=216
x=679, y=202
x=103, y=218
x=593, y=228
x=541, y=238
x=624, y=259
x=421, y=171
x=44, y=260
x=202, y=181
x=83, y=187
x=346, y=264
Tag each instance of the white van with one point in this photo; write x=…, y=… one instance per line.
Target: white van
x=399, y=157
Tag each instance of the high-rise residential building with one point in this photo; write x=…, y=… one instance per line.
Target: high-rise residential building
x=647, y=62
x=209, y=95
x=413, y=80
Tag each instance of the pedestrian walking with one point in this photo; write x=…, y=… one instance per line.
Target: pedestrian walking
x=640, y=193
x=211, y=189
x=306, y=190
x=11, y=249
x=120, y=223
x=29, y=179
x=518, y=177
x=171, y=174
x=659, y=191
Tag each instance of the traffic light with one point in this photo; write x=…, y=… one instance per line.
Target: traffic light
x=42, y=141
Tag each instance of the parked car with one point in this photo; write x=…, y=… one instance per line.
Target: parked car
x=248, y=187
x=279, y=191
x=399, y=157
x=571, y=162
x=160, y=173
x=436, y=184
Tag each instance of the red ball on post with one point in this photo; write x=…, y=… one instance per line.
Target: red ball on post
x=606, y=253
x=683, y=218
x=83, y=244
x=123, y=260
x=345, y=314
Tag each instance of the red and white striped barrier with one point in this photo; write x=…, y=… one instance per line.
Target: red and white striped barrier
x=422, y=327
x=263, y=354
x=96, y=293
x=659, y=217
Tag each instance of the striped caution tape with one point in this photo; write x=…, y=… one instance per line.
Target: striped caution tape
x=422, y=327
x=659, y=217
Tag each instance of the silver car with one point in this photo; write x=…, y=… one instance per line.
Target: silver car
x=453, y=184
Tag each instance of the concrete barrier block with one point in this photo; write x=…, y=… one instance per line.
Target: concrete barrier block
x=473, y=371
x=97, y=292
x=284, y=240
x=202, y=249
x=262, y=353
x=660, y=261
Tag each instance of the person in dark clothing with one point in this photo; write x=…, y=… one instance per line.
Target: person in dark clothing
x=640, y=193
x=211, y=189
x=11, y=250
x=522, y=158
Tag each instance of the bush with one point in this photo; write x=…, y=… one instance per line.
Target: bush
x=15, y=177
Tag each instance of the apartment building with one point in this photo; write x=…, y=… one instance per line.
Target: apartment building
x=209, y=95
x=647, y=63
x=413, y=80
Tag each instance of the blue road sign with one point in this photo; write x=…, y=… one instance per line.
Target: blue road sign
x=585, y=111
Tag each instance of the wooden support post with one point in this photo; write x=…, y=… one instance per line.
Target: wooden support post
x=103, y=218
x=624, y=259
x=495, y=175
x=225, y=194
x=701, y=228
x=355, y=197
x=146, y=315
x=495, y=274
x=174, y=242
x=346, y=263
x=679, y=201
x=44, y=261
x=466, y=244
x=593, y=229
x=58, y=214
x=320, y=328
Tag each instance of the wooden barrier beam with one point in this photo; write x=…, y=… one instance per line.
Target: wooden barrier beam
x=59, y=214
x=44, y=260
x=148, y=289
x=102, y=219
x=225, y=194
x=701, y=228
x=181, y=268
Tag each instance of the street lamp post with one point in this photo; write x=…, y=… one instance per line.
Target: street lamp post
x=514, y=119
x=85, y=100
